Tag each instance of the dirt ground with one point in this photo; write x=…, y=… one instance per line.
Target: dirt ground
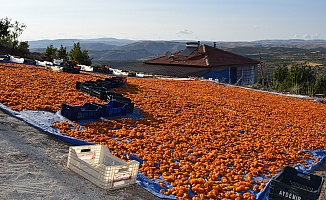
x=33, y=166
x=321, y=171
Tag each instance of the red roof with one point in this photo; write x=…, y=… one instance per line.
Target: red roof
x=204, y=56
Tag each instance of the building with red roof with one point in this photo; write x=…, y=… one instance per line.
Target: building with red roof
x=204, y=61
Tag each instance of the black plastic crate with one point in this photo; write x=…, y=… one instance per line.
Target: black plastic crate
x=86, y=88
x=106, y=84
x=132, y=74
x=29, y=62
x=98, y=92
x=292, y=184
x=71, y=70
x=117, y=80
x=102, y=70
x=93, y=83
x=78, y=84
x=118, y=98
x=114, y=94
x=123, y=79
x=113, y=83
x=87, y=111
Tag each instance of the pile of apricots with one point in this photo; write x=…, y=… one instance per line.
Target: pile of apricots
x=198, y=139
x=36, y=88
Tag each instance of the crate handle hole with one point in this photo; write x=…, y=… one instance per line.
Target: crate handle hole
x=123, y=170
x=85, y=150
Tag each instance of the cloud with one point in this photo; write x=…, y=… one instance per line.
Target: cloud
x=256, y=27
x=296, y=36
x=314, y=36
x=184, y=32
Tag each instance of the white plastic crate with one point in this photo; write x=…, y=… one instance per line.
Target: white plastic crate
x=98, y=165
x=56, y=69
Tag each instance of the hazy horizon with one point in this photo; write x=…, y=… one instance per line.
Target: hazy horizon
x=210, y=20
x=311, y=39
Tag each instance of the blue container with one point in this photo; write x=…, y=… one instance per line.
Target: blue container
x=117, y=108
x=125, y=100
x=87, y=111
x=113, y=108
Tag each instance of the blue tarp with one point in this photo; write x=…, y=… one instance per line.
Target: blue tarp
x=43, y=120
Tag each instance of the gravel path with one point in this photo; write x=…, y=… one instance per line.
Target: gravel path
x=33, y=166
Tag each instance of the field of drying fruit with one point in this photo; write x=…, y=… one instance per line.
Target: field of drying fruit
x=206, y=140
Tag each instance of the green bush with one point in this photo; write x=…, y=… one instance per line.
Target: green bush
x=299, y=79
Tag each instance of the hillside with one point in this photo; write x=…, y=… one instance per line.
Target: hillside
x=131, y=54
x=153, y=47
x=70, y=42
x=120, y=49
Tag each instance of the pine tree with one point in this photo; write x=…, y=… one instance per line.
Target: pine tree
x=80, y=56
x=62, y=53
x=50, y=52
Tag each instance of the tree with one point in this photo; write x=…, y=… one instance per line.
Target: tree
x=23, y=47
x=62, y=53
x=80, y=56
x=86, y=59
x=10, y=31
x=299, y=79
x=279, y=78
x=4, y=28
x=17, y=30
x=50, y=52
x=320, y=84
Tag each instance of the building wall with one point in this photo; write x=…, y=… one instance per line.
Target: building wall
x=247, y=75
x=241, y=75
x=223, y=75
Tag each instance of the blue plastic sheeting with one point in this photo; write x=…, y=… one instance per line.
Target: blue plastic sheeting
x=26, y=62
x=224, y=76
x=152, y=187
x=5, y=61
x=43, y=120
x=148, y=183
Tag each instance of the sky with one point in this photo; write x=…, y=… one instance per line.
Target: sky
x=210, y=20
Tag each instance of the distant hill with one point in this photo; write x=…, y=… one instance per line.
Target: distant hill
x=70, y=42
x=97, y=46
x=154, y=47
x=123, y=49
x=132, y=54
